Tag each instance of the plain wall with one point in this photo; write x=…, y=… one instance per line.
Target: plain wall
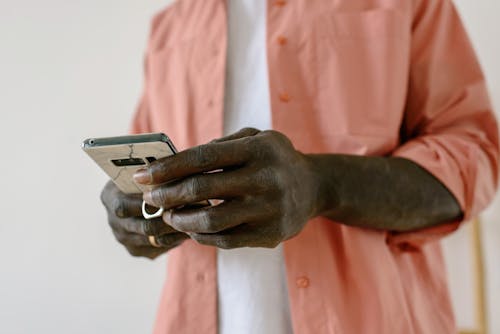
x=71, y=70
x=68, y=70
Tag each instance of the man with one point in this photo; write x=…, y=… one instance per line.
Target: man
x=383, y=141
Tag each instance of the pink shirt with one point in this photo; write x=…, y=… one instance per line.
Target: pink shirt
x=364, y=77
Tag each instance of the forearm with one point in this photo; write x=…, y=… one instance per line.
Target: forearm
x=380, y=192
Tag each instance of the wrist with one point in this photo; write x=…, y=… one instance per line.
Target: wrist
x=322, y=183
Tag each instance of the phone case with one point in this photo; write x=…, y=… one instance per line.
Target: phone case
x=121, y=157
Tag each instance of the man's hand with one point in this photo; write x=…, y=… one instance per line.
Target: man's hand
x=265, y=185
x=270, y=190
x=132, y=230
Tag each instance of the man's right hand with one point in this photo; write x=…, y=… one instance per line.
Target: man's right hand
x=132, y=230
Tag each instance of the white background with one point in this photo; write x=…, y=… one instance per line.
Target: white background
x=71, y=70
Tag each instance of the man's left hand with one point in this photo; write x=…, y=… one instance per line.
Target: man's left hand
x=266, y=187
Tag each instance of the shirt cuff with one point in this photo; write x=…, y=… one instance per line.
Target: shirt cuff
x=437, y=157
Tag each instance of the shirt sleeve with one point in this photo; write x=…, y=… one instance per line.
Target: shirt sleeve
x=449, y=127
x=141, y=121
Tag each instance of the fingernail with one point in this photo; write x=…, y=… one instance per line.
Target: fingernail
x=142, y=176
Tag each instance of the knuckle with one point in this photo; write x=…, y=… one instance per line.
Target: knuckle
x=262, y=147
x=275, y=140
x=159, y=196
x=266, y=174
x=248, y=141
x=279, y=178
x=250, y=131
x=270, y=136
x=148, y=228
x=268, y=178
x=194, y=188
x=208, y=222
x=203, y=156
x=268, y=133
x=278, y=136
x=251, y=146
x=119, y=208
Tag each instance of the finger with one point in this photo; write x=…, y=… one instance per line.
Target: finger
x=146, y=251
x=153, y=252
x=142, y=226
x=126, y=206
x=241, y=236
x=204, y=158
x=202, y=187
x=133, y=240
x=120, y=204
x=245, y=132
x=213, y=219
x=171, y=240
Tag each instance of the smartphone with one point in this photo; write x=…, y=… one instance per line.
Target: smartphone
x=120, y=157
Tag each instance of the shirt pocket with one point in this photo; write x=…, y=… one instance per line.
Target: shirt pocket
x=360, y=63
x=179, y=70
x=373, y=23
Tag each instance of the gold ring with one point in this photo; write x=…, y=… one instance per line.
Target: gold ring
x=153, y=241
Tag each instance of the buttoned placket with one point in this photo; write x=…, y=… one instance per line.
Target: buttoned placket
x=301, y=282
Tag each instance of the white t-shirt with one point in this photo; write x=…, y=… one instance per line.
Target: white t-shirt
x=252, y=289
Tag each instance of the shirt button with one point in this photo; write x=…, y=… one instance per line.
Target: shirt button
x=200, y=277
x=280, y=3
x=284, y=97
x=210, y=103
x=282, y=40
x=302, y=282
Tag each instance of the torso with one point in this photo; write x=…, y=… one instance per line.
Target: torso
x=337, y=84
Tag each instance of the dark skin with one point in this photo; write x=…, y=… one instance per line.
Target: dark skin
x=269, y=191
x=132, y=230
